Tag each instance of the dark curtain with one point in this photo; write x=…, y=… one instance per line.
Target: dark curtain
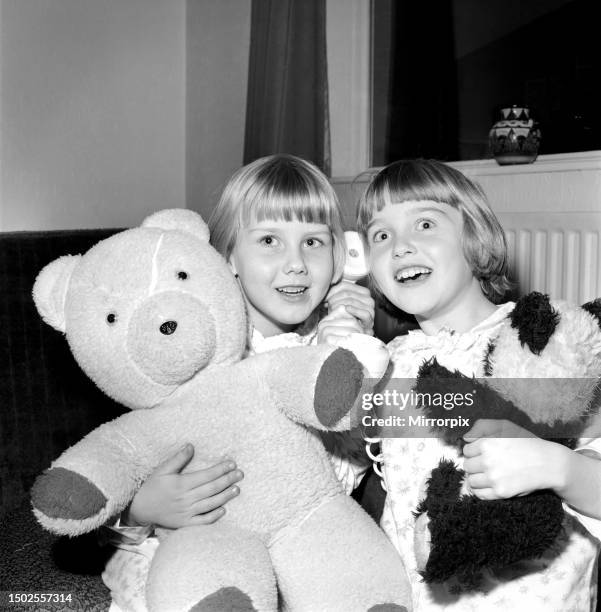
x=287, y=104
x=423, y=81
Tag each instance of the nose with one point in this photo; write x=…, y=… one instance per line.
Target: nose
x=168, y=327
x=402, y=246
x=295, y=262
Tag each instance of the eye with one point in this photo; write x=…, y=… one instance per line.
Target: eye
x=182, y=275
x=313, y=242
x=380, y=236
x=111, y=318
x=425, y=224
x=269, y=241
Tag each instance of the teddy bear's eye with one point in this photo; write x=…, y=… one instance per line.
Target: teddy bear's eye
x=182, y=275
x=111, y=318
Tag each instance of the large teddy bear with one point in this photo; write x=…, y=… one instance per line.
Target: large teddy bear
x=542, y=373
x=156, y=319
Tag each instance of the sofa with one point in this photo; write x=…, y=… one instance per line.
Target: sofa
x=46, y=405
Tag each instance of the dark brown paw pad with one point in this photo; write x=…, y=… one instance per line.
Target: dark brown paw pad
x=338, y=385
x=62, y=494
x=228, y=598
x=387, y=607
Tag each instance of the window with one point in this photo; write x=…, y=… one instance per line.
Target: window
x=441, y=70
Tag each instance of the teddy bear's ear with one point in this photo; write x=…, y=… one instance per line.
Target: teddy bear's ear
x=180, y=219
x=535, y=319
x=50, y=290
x=594, y=308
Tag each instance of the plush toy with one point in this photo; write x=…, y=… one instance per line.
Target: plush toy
x=156, y=319
x=542, y=373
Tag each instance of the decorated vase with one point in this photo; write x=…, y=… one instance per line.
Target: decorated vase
x=515, y=138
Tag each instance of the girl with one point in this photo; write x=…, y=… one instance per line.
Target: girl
x=278, y=224
x=437, y=251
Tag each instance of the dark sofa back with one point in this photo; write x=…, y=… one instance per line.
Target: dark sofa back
x=46, y=402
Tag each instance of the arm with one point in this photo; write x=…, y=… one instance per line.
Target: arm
x=504, y=460
x=579, y=482
x=313, y=385
x=96, y=478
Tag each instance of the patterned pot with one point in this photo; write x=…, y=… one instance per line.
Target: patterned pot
x=515, y=138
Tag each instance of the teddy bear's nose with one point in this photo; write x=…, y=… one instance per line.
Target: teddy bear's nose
x=168, y=327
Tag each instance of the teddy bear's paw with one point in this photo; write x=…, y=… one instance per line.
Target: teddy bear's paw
x=338, y=385
x=62, y=494
x=387, y=607
x=229, y=598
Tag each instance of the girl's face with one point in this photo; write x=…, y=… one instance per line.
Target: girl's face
x=416, y=258
x=285, y=269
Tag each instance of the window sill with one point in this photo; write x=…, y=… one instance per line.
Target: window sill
x=569, y=182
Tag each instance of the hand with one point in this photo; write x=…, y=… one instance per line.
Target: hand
x=357, y=301
x=503, y=460
x=337, y=326
x=171, y=499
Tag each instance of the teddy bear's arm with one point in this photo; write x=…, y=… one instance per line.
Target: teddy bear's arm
x=95, y=479
x=313, y=385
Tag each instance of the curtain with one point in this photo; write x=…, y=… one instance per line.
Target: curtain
x=423, y=87
x=287, y=102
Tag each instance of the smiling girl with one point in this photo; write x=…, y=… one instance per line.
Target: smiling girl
x=437, y=251
x=278, y=224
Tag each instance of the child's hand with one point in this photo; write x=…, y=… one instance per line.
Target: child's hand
x=171, y=499
x=503, y=460
x=336, y=326
x=358, y=302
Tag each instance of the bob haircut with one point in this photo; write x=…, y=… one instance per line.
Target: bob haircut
x=484, y=243
x=282, y=188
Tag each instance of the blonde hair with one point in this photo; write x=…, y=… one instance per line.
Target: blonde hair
x=278, y=187
x=484, y=242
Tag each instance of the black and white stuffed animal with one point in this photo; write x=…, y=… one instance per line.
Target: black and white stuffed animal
x=542, y=373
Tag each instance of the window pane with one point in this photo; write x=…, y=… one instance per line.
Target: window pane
x=442, y=69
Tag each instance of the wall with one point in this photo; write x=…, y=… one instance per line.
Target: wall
x=112, y=109
x=92, y=111
x=348, y=46
x=218, y=39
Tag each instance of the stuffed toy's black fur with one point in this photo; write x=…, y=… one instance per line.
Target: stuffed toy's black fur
x=467, y=534
x=483, y=534
x=536, y=320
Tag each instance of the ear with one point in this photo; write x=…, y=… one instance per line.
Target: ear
x=594, y=308
x=535, y=319
x=50, y=290
x=180, y=219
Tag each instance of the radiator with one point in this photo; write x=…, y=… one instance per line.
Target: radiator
x=558, y=254
x=561, y=263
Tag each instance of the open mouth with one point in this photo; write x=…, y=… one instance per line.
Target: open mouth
x=412, y=273
x=292, y=290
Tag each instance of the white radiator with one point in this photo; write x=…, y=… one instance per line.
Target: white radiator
x=558, y=254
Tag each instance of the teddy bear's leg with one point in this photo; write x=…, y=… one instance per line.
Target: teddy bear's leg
x=466, y=535
x=338, y=559
x=209, y=568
